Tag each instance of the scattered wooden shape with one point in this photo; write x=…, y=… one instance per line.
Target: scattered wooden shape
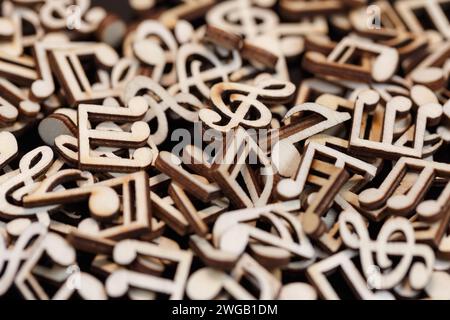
x=238, y=159
x=433, y=231
x=295, y=9
x=125, y=252
x=262, y=21
x=313, y=118
x=186, y=10
x=266, y=284
x=164, y=50
x=137, y=138
x=66, y=63
x=338, y=64
x=217, y=281
x=134, y=205
x=193, y=77
x=292, y=187
x=171, y=165
x=402, y=204
x=430, y=71
x=60, y=252
x=318, y=272
x=159, y=101
x=31, y=165
x=366, y=102
x=410, y=12
x=418, y=273
x=324, y=198
x=211, y=256
x=19, y=70
x=61, y=122
x=13, y=96
x=232, y=234
x=28, y=242
x=248, y=97
x=247, y=50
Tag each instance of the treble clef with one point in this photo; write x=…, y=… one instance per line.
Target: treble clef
x=32, y=164
x=21, y=251
x=357, y=237
x=225, y=95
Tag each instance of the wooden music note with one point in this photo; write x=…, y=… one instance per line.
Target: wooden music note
x=28, y=17
x=431, y=220
x=176, y=214
x=11, y=35
x=140, y=132
x=218, y=281
x=291, y=188
x=190, y=74
x=186, y=10
x=337, y=63
x=60, y=253
x=249, y=21
x=324, y=198
x=247, y=97
x=321, y=119
x=164, y=48
x=267, y=286
x=232, y=234
x=104, y=202
x=411, y=12
x=32, y=165
x=210, y=255
x=249, y=50
x=430, y=71
x=419, y=272
x=171, y=165
x=385, y=25
x=66, y=63
x=28, y=242
x=15, y=97
x=238, y=158
x=311, y=89
x=159, y=100
x=427, y=171
x=125, y=252
x=342, y=261
x=20, y=70
x=43, y=87
x=366, y=101
x=62, y=271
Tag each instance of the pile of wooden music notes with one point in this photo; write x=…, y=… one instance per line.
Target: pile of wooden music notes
x=240, y=149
